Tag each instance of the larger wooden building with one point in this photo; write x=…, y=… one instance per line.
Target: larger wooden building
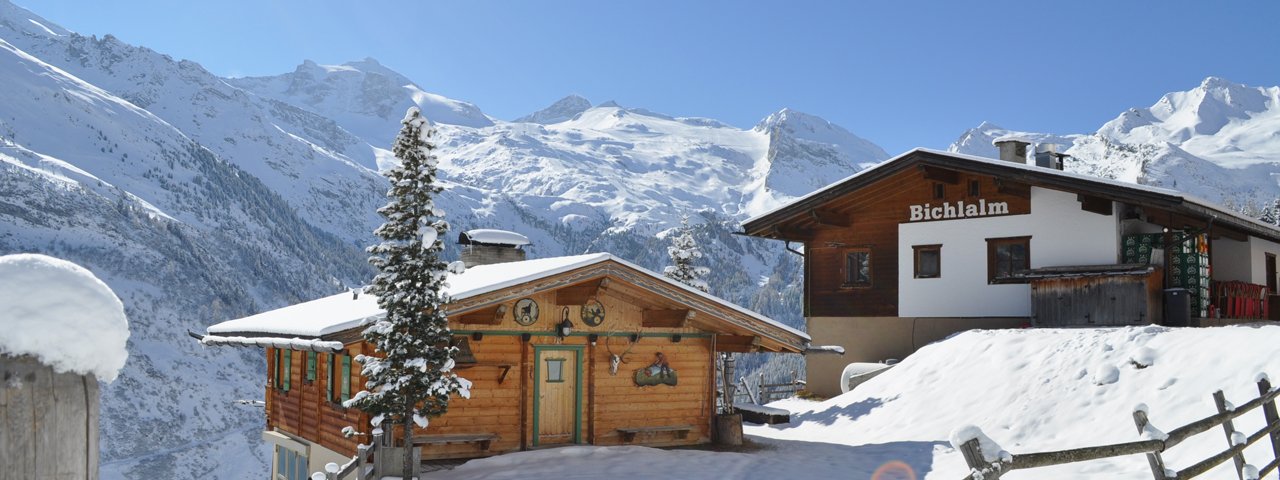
x=930, y=243
x=587, y=349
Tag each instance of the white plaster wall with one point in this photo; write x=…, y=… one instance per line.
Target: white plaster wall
x=1061, y=234
x=1258, y=258
x=1232, y=260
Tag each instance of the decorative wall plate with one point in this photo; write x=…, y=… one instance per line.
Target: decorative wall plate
x=526, y=311
x=593, y=313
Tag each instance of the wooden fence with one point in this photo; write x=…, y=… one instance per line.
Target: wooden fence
x=1155, y=444
x=762, y=393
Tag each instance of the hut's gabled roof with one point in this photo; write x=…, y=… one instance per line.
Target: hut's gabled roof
x=482, y=286
x=766, y=224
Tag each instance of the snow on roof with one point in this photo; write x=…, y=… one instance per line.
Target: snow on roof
x=495, y=237
x=62, y=314
x=340, y=312
x=1030, y=168
x=1010, y=138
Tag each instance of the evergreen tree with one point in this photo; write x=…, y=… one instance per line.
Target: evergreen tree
x=412, y=379
x=683, y=251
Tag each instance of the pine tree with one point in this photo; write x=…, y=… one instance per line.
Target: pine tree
x=683, y=251
x=413, y=379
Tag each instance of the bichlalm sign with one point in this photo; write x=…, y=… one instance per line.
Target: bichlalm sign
x=961, y=209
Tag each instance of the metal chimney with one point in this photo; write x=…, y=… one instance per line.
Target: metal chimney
x=1012, y=149
x=1047, y=156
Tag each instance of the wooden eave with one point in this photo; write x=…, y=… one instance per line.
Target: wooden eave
x=642, y=290
x=792, y=222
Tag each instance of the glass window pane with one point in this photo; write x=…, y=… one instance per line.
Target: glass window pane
x=555, y=369
x=928, y=262
x=346, y=377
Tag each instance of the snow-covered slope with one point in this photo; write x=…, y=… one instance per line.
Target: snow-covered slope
x=1044, y=389
x=184, y=238
x=563, y=109
x=1217, y=141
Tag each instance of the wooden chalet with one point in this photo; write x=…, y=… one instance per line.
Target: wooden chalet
x=929, y=243
x=536, y=338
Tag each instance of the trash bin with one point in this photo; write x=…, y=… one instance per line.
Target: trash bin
x=1177, y=307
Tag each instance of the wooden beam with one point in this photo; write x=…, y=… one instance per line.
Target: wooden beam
x=666, y=318
x=487, y=316
x=785, y=233
x=940, y=174
x=582, y=293
x=1008, y=187
x=737, y=343
x=829, y=218
x=1098, y=205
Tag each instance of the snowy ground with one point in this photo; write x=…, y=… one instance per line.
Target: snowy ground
x=1030, y=390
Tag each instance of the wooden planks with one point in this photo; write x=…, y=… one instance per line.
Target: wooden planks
x=48, y=422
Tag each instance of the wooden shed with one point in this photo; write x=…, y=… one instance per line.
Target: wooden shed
x=588, y=349
x=1096, y=295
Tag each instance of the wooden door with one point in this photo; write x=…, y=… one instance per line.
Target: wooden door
x=558, y=395
x=1271, y=273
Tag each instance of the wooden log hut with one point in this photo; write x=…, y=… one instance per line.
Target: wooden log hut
x=587, y=349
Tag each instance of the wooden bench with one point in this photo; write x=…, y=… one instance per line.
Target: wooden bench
x=629, y=434
x=482, y=439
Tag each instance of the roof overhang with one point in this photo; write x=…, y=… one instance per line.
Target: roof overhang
x=776, y=224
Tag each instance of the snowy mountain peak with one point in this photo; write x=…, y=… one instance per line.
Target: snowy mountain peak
x=22, y=20
x=563, y=109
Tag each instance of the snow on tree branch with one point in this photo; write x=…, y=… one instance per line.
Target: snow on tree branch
x=683, y=251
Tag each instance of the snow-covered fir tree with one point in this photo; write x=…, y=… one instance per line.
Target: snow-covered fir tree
x=412, y=379
x=683, y=251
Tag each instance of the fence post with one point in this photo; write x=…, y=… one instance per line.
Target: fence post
x=972, y=452
x=1269, y=410
x=1153, y=458
x=1220, y=401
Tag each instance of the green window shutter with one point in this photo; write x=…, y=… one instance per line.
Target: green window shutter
x=288, y=368
x=346, y=377
x=311, y=366
x=328, y=384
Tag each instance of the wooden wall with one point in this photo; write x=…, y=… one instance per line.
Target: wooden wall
x=48, y=422
x=873, y=214
x=303, y=410
x=505, y=407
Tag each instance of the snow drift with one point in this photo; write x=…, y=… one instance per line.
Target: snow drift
x=1039, y=390
x=62, y=314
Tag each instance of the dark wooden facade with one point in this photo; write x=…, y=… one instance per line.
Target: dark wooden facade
x=1109, y=295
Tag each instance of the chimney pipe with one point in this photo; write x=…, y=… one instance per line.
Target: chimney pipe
x=1012, y=149
x=1047, y=156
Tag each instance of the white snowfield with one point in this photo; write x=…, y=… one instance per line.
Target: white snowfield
x=347, y=310
x=1027, y=390
x=62, y=314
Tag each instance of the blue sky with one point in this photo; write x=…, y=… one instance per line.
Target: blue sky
x=899, y=73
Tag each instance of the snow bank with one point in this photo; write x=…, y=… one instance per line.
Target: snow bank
x=62, y=314
x=1037, y=389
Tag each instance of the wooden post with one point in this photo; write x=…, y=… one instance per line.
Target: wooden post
x=1220, y=401
x=727, y=378
x=1269, y=410
x=1153, y=458
x=972, y=452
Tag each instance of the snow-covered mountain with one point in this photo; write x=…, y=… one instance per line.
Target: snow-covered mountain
x=563, y=109
x=1217, y=141
x=200, y=198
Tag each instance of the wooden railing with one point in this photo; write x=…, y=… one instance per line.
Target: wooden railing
x=763, y=393
x=363, y=465
x=1154, y=444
